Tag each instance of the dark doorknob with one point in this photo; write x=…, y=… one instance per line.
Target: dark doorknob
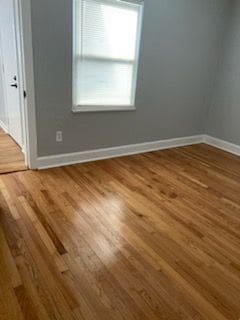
x=14, y=85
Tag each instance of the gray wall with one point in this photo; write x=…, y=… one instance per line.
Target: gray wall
x=224, y=116
x=181, y=41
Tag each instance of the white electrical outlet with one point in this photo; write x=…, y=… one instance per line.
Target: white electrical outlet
x=59, y=136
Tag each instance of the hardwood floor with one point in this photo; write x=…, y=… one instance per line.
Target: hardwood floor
x=152, y=236
x=11, y=156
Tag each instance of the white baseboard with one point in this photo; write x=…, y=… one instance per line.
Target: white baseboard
x=100, y=154
x=221, y=144
x=3, y=126
x=107, y=153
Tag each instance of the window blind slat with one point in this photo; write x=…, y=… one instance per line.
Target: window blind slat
x=105, y=51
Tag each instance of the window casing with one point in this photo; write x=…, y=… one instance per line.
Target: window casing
x=106, y=40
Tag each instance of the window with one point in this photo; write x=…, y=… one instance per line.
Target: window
x=105, y=54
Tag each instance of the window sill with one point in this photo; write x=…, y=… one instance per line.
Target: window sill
x=78, y=109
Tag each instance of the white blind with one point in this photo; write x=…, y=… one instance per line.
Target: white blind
x=105, y=52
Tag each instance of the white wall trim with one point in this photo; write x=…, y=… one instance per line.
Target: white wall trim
x=30, y=144
x=3, y=126
x=222, y=144
x=99, y=154
x=107, y=153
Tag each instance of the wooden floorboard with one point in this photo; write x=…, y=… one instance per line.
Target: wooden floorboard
x=11, y=156
x=151, y=236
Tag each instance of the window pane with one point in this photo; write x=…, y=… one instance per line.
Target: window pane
x=105, y=52
x=104, y=83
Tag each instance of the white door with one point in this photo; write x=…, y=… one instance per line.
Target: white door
x=11, y=71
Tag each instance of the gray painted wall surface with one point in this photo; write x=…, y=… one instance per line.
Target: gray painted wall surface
x=180, y=47
x=224, y=116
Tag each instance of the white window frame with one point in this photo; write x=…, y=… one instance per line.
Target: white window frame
x=103, y=108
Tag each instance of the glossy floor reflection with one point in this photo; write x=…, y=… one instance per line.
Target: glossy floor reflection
x=152, y=236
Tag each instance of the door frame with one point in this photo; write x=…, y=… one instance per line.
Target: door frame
x=23, y=28
x=4, y=125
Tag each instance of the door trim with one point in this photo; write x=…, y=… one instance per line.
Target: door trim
x=26, y=70
x=5, y=125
